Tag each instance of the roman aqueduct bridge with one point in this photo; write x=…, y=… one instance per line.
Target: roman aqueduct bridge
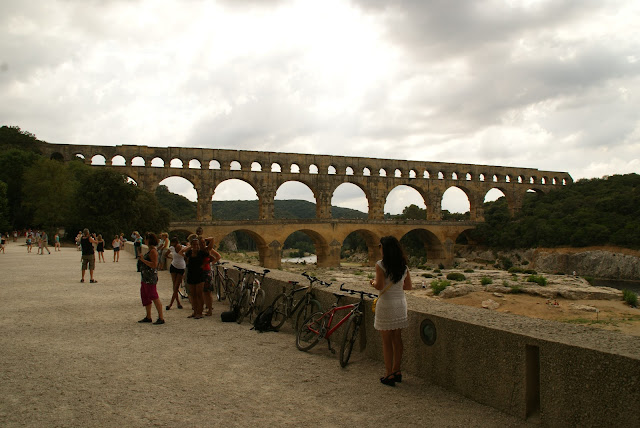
x=322, y=174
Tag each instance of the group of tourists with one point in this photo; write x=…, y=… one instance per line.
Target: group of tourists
x=32, y=237
x=195, y=259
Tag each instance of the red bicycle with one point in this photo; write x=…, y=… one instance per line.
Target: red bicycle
x=320, y=325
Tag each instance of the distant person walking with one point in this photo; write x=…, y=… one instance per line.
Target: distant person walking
x=88, y=254
x=56, y=245
x=392, y=278
x=45, y=242
x=149, y=280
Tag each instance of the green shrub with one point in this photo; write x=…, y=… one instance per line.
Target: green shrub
x=530, y=272
x=506, y=263
x=436, y=271
x=515, y=269
x=505, y=283
x=427, y=275
x=538, y=279
x=468, y=270
x=485, y=280
x=358, y=272
x=438, y=285
x=516, y=289
x=630, y=297
x=589, y=279
x=526, y=262
x=440, y=266
x=456, y=276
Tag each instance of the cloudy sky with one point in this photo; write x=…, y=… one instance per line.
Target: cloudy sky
x=553, y=85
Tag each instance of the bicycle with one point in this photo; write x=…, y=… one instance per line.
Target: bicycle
x=284, y=306
x=223, y=284
x=319, y=326
x=252, y=295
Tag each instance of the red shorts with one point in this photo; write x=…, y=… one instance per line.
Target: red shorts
x=148, y=293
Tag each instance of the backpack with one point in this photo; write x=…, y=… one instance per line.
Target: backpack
x=231, y=315
x=262, y=322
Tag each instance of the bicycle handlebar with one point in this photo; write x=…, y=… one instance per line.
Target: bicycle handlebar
x=313, y=279
x=361, y=293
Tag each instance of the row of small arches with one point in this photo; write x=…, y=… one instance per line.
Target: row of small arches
x=158, y=162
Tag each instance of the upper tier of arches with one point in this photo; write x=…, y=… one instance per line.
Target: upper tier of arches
x=266, y=171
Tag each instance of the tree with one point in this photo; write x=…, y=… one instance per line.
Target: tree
x=4, y=208
x=13, y=164
x=50, y=187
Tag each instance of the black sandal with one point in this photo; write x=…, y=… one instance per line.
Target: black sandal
x=398, y=376
x=388, y=380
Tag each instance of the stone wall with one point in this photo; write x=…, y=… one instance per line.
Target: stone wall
x=551, y=373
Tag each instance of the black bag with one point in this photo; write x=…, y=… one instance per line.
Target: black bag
x=262, y=322
x=230, y=316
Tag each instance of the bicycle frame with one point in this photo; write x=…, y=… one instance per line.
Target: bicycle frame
x=331, y=314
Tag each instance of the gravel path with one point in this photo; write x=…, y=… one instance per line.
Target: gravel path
x=73, y=355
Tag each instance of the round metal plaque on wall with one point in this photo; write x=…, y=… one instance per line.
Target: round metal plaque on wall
x=428, y=332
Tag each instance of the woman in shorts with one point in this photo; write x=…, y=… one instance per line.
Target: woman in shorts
x=176, y=270
x=116, y=248
x=149, y=280
x=195, y=258
x=100, y=249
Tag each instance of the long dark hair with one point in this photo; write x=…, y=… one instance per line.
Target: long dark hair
x=393, y=258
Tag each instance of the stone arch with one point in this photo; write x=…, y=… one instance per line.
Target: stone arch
x=366, y=172
x=56, y=156
x=313, y=169
x=214, y=164
x=435, y=250
x=195, y=164
x=98, y=159
x=408, y=194
x=118, y=160
x=294, y=168
x=157, y=162
x=138, y=161
x=354, y=201
x=371, y=241
x=275, y=167
x=331, y=170
x=265, y=249
x=327, y=252
x=235, y=166
x=289, y=190
x=455, y=201
x=256, y=166
x=348, y=171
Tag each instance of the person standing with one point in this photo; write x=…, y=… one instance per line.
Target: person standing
x=56, y=245
x=88, y=254
x=137, y=243
x=149, y=280
x=116, y=248
x=2, y=242
x=212, y=258
x=392, y=278
x=100, y=249
x=29, y=243
x=195, y=258
x=176, y=270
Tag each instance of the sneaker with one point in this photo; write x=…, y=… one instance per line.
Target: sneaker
x=145, y=319
x=158, y=321
x=167, y=308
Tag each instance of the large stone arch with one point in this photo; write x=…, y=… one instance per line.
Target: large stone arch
x=437, y=250
x=359, y=185
x=421, y=191
x=372, y=239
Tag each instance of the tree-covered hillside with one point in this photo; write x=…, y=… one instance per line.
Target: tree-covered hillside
x=598, y=211
x=292, y=209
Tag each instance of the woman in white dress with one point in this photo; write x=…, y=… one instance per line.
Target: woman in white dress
x=392, y=278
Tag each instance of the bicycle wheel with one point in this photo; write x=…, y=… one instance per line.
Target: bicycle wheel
x=218, y=287
x=308, y=334
x=305, y=312
x=279, y=311
x=350, y=336
x=230, y=292
x=257, y=306
x=244, y=306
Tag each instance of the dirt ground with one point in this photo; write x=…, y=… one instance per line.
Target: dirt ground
x=74, y=355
